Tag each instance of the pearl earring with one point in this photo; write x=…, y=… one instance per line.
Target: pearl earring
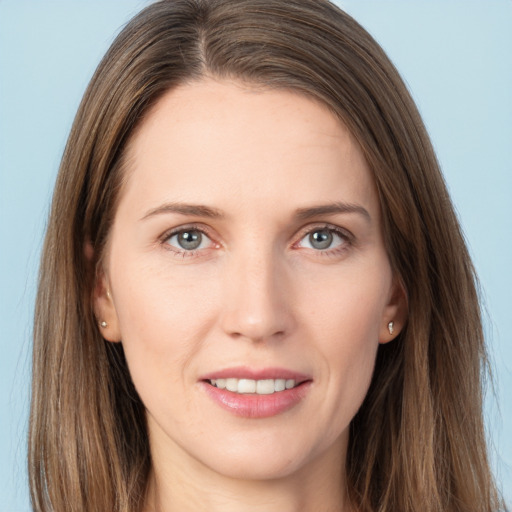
x=391, y=326
x=103, y=324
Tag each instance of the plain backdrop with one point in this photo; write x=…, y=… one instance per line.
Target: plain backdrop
x=454, y=55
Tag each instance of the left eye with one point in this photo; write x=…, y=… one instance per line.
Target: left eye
x=189, y=240
x=322, y=239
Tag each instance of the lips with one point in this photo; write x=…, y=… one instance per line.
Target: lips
x=254, y=393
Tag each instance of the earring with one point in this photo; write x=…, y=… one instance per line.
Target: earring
x=391, y=327
x=103, y=324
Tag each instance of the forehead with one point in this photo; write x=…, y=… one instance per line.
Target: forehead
x=213, y=141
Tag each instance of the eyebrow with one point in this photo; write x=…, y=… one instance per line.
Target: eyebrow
x=199, y=210
x=332, y=209
x=195, y=210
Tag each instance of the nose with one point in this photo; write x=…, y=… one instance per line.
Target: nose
x=257, y=301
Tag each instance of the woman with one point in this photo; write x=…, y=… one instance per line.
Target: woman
x=254, y=291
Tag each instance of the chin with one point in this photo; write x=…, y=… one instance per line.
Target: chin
x=273, y=460
x=257, y=467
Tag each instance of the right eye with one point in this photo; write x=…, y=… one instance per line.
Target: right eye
x=188, y=240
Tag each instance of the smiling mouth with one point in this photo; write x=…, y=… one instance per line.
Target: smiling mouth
x=256, y=387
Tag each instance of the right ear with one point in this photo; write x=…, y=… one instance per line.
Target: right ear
x=103, y=301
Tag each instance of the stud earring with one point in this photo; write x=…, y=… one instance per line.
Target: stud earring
x=391, y=326
x=103, y=324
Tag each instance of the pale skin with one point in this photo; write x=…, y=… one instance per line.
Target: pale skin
x=290, y=271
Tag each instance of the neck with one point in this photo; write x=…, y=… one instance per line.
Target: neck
x=192, y=487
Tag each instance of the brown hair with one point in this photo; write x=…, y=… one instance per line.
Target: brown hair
x=417, y=442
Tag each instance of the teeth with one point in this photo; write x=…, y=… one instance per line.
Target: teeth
x=259, y=387
x=265, y=387
x=247, y=386
x=232, y=385
x=280, y=384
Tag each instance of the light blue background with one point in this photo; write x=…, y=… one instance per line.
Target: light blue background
x=455, y=57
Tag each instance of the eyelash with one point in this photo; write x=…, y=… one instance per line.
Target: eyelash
x=346, y=237
x=183, y=229
x=343, y=234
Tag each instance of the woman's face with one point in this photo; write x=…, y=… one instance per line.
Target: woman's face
x=246, y=256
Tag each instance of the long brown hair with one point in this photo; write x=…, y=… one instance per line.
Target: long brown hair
x=417, y=443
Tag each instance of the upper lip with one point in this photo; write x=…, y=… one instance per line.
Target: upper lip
x=244, y=372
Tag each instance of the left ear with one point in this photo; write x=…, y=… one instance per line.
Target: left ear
x=395, y=313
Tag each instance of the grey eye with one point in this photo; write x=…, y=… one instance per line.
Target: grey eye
x=188, y=240
x=324, y=239
x=321, y=239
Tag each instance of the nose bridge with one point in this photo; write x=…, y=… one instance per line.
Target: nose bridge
x=255, y=294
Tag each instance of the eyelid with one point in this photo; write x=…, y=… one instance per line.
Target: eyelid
x=310, y=228
x=347, y=240
x=204, y=230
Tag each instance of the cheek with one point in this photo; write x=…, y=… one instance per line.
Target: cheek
x=345, y=322
x=163, y=318
x=156, y=296
x=348, y=306
x=347, y=332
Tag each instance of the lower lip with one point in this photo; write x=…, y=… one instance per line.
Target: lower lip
x=257, y=406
